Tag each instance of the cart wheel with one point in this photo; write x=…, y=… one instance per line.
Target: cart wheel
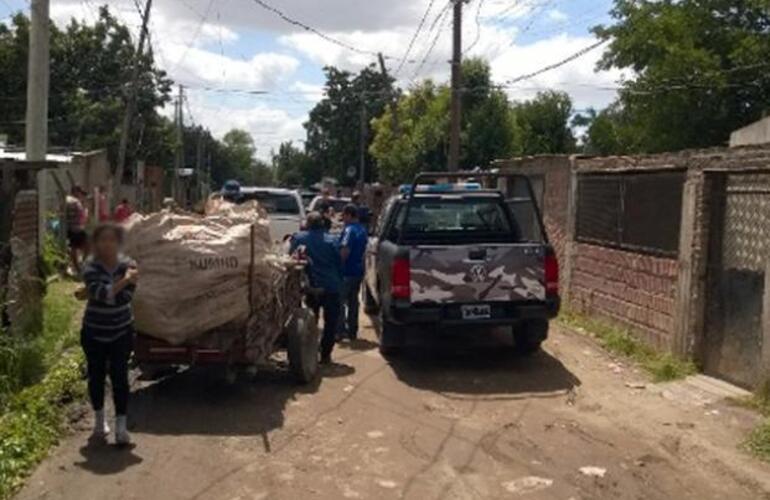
x=302, y=336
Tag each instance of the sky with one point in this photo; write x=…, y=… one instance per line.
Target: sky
x=219, y=48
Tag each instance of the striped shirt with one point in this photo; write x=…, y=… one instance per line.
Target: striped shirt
x=108, y=316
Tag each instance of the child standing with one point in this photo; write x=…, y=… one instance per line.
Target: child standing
x=107, y=335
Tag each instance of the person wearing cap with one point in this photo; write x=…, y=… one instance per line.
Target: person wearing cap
x=76, y=217
x=352, y=247
x=325, y=274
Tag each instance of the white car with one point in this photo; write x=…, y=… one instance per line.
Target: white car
x=284, y=208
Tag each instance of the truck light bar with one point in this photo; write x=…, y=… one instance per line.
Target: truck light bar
x=441, y=188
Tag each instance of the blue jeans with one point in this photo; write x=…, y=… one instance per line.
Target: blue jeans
x=351, y=288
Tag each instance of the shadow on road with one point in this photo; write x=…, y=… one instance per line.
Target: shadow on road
x=103, y=459
x=464, y=366
x=200, y=401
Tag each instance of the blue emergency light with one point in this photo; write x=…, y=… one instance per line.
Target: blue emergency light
x=446, y=187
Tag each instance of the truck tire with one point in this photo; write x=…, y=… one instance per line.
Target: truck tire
x=529, y=336
x=302, y=346
x=391, y=337
x=370, y=305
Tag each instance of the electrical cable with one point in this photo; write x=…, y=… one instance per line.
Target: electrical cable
x=414, y=37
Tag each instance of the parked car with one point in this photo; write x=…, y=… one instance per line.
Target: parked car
x=337, y=203
x=307, y=198
x=457, y=255
x=284, y=208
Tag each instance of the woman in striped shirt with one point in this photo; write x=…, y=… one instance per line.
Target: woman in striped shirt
x=107, y=336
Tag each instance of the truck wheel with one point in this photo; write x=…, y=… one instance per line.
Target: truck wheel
x=529, y=335
x=370, y=306
x=391, y=337
x=302, y=346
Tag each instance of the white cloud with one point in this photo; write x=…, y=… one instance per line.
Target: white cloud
x=557, y=16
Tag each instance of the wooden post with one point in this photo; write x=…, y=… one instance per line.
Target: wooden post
x=681, y=343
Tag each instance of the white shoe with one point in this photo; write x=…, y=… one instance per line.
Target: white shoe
x=101, y=428
x=122, y=437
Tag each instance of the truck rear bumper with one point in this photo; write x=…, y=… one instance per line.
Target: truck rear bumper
x=502, y=313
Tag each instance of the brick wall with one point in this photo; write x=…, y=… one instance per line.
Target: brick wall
x=25, y=221
x=636, y=290
x=555, y=173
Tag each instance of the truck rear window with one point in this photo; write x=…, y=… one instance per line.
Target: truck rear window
x=458, y=219
x=273, y=203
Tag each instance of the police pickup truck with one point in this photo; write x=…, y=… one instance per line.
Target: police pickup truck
x=453, y=254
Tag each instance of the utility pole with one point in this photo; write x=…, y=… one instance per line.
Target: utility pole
x=179, y=156
x=36, y=133
x=392, y=98
x=130, y=105
x=199, y=164
x=362, y=147
x=457, y=77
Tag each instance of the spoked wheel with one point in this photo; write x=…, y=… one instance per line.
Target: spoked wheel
x=302, y=346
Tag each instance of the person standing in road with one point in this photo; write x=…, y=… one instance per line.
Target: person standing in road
x=76, y=217
x=326, y=208
x=107, y=336
x=364, y=214
x=123, y=211
x=352, y=247
x=325, y=270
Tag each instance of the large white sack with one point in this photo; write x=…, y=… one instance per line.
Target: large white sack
x=194, y=270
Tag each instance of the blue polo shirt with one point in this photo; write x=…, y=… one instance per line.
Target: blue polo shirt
x=354, y=237
x=324, y=262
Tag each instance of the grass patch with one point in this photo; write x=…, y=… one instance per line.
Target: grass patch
x=662, y=366
x=758, y=441
x=39, y=373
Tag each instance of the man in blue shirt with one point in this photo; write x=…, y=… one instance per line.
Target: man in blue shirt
x=325, y=272
x=352, y=248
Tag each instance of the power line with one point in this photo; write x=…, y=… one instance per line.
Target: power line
x=414, y=37
x=195, y=36
x=328, y=38
x=553, y=66
x=440, y=18
x=478, y=28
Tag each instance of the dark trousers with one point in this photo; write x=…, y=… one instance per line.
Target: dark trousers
x=108, y=357
x=330, y=303
x=351, y=288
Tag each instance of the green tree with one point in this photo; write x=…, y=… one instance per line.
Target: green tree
x=334, y=125
x=293, y=167
x=543, y=124
x=418, y=139
x=90, y=73
x=233, y=158
x=701, y=69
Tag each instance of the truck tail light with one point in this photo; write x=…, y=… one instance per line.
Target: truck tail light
x=400, y=278
x=551, y=274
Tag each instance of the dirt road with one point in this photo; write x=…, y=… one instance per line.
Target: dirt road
x=461, y=423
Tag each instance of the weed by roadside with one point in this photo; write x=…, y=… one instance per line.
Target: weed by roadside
x=758, y=441
x=39, y=374
x=662, y=366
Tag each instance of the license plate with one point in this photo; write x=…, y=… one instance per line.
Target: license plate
x=480, y=311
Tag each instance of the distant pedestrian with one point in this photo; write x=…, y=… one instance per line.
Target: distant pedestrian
x=352, y=248
x=103, y=208
x=123, y=211
x=107, y=336
x=325, y=273
x=76, y=217
x=325, y=206
x=364, y=214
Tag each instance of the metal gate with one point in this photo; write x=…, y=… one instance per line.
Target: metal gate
x=738, y=259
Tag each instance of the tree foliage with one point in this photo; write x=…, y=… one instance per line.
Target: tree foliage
x=90, y=73
x=293, y=167
x=492, y=127
x=335, y=123
x=701, y=71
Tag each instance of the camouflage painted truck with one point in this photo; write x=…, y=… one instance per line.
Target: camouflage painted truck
x=453, y=254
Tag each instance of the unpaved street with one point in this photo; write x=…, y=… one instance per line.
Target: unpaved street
x=463, y=423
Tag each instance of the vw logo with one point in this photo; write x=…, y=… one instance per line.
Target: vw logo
x=478, y=273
